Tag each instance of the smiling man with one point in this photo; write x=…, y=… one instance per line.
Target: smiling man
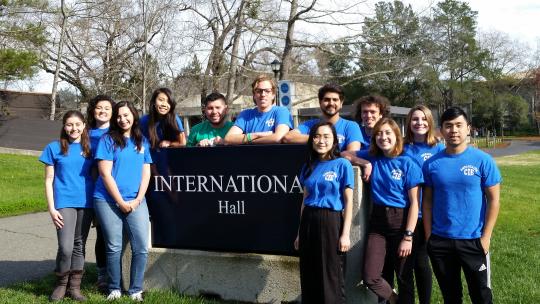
x=460, y=208
x=368, y=110
x=264, y=124
x=211, y=132
x=331, y=98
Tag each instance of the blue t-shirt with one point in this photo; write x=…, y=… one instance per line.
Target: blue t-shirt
x=143, y=122
x=73, y=184
x=95, y=135
x=458, y=182
x=366, y=139
x=347, y=131
x=420, y=152
x=325, y=185
x=126, y=170
x=251, y=120
x=392, y=178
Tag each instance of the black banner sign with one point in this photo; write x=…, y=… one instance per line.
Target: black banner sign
x=230, y=198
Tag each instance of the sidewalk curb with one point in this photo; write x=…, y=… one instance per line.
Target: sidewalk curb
x=19, y=151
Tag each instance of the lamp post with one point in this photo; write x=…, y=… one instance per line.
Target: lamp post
x=275, y=65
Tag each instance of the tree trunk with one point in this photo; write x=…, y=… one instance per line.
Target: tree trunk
x=58, y=61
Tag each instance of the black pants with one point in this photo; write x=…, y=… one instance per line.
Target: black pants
x=422, y=268
x=449, y=257
x=99, y=249
x=321, y=264
x=385, y=234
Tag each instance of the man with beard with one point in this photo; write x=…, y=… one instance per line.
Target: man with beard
x=368, y=110
x=211, y=132
x=331, y=99
x=264, y=124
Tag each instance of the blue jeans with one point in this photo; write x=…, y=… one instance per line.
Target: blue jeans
x=136, y=225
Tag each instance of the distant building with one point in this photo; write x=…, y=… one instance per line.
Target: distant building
x=25, y=104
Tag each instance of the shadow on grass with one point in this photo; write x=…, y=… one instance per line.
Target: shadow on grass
x=39, y=289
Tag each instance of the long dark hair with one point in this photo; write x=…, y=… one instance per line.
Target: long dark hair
x=313, y=156
x=64, y=137
x=117, y=134
x=169, y=127
x=90, y=110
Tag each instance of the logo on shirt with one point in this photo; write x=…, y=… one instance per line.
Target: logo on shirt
x=270, y=122
x=330, y=176
x=396, y=174
x=426, y=156
x=340, y=138
x=468, y=170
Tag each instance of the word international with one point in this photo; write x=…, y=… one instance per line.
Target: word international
x=231, y=183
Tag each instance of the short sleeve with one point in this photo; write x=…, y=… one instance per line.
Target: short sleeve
x=180, y=124
x=283, y=117
x=147, y=156
x=301, y=177
x=105, y=148
x=348, y=175
x=354, y=133
x=241, y=120
x=304, y=129
x=414, y=174
x=425, y=172
x=491, y=175
x=47, y=156
x=192, y=138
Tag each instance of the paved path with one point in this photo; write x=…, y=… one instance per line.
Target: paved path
x=515, y=147
x=28, y=247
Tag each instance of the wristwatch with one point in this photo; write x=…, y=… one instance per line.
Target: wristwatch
x=408, y=233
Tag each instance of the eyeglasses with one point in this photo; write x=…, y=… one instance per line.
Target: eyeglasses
x=261, y=91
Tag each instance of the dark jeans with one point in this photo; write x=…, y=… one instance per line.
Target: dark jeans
x=387, y=225
x=448, y=257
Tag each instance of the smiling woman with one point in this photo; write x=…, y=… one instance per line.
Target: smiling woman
x=68, y=187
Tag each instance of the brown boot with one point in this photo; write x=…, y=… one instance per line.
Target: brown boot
x=60, y=289
x=74, y=289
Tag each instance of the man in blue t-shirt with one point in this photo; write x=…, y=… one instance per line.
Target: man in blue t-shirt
x=264, y=124
x=368, y=110
x=460, y=208
x=331, y=98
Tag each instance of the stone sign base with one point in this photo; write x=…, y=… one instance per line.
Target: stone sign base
x=254, y=278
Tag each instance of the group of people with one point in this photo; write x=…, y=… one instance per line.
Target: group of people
x=99, y=171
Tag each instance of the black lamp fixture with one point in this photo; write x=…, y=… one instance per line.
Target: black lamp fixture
x=275, y=65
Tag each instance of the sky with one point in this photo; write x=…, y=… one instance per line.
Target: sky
x=517, y=18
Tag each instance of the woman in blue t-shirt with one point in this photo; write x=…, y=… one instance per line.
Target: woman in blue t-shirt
x=420, y=145
x=325, y=218
x=162, y=126
x=124, y=172
x=394, y=191
x=68, y=187
x=98, y=115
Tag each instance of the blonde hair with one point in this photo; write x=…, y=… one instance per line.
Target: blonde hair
x=431, y=140
x=398, y=147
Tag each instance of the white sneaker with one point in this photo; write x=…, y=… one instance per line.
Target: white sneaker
x=136, y=296
x=114, y=295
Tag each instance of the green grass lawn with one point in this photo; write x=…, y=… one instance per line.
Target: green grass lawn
x=515, y=248
x=22, y=187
